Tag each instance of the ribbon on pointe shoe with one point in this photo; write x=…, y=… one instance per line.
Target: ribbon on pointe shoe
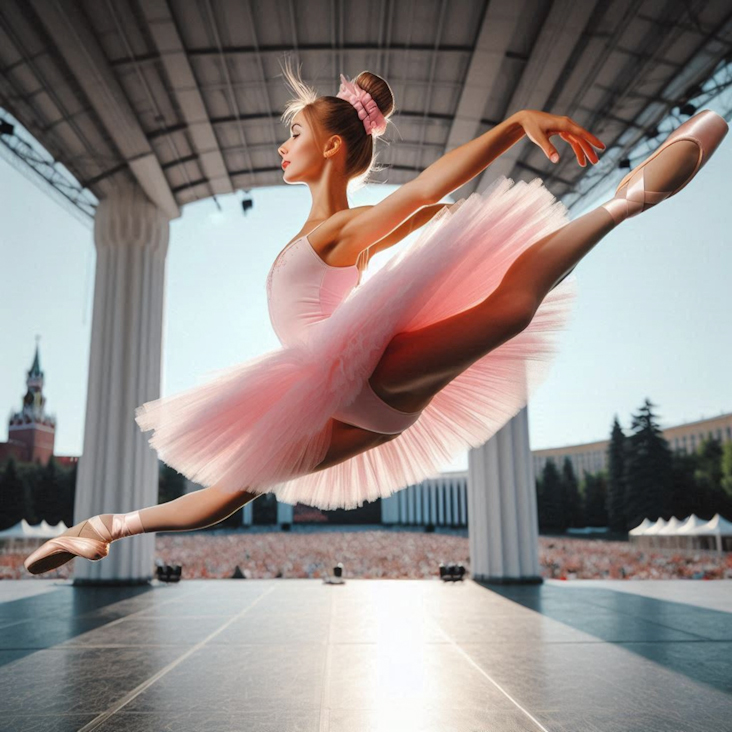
x=123, y=524
x=634, y=200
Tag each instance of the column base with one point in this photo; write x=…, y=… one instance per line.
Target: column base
x=508, y=580
x=82, y=582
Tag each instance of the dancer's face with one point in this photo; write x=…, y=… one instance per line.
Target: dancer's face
x=303, y=153
x=299, y=153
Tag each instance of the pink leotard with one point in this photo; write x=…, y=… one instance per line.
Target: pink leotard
x=303, y=289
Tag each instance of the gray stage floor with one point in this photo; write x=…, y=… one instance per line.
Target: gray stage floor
x=376, y=655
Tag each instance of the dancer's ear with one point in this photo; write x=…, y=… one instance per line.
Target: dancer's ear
x=332, y=146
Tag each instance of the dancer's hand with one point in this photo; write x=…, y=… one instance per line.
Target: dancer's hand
x=540, y=126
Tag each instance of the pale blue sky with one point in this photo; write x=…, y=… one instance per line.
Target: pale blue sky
x=653, y=317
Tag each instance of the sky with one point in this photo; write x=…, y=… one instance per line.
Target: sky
x=653, y=317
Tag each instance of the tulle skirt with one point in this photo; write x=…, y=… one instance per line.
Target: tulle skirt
x=265, y=424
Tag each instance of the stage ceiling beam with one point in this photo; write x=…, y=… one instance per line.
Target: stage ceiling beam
x=81, y=52
x=186, y=90
x=559, y=35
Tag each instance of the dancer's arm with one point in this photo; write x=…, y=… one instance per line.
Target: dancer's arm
x=457, y=167
x=413, y=222
x=464, y=162
x=454, y=169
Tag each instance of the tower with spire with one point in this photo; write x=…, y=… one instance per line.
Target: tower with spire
x=31, y=432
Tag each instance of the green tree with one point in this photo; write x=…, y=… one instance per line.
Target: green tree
x=709, y=475
x=30, y=476
x=686, y=498
x=573, y=513
x=708, y=471
x=12, y=501
x=67, y=491
x=48, y=499
x=726, y=481
x=616, y=490
x=648, y=474
x=171, y=484
x=595, y=488
x=550, y=500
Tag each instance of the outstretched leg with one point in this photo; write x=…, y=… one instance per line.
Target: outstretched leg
x=91, y=538
x=416, y=365
x=541, y=266
x=204, y=507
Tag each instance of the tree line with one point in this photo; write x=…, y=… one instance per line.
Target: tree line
x=644, y=478
x=37, y=492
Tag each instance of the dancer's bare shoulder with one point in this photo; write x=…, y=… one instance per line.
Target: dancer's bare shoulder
x=324, y=240
x=328, y=244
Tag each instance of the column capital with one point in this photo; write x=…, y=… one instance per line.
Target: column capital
x=128, y=218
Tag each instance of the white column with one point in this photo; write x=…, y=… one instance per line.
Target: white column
x=118, y=471
x=403, y=506
x=502, y=513
x=390, y=509
x=285, y=513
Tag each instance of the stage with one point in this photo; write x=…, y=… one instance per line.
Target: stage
x=369, y=655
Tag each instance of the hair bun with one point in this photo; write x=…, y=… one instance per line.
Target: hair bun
x=379, y=90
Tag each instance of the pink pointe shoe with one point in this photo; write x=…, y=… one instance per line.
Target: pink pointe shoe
x=62, y=549
x=706, y=128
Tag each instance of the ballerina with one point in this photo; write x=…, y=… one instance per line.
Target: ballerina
x=377, y=384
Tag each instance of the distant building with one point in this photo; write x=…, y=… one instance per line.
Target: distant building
x=32, y=432
x=592, y=456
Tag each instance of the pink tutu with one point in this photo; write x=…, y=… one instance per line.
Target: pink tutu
x=264, y=425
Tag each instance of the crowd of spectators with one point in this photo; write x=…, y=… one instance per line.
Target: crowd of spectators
x=368, y=552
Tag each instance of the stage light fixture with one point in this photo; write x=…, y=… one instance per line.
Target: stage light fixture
x=168, y=573
x=337, y=577
x=452, y=572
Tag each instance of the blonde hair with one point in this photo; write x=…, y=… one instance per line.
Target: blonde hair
x=331, y=115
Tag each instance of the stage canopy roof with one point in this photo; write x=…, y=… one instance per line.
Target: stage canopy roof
x=185, y=98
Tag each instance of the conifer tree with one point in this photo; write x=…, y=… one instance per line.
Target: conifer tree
x=596, y=499
x=551, y=505
x=615, y=502
x=48, y=499
x=171, y=484
x=12, y=500
x=726, y=480
x=648, y=474
x=709, y=465
x=571, y=496
x=686, y=497
x=67, y=489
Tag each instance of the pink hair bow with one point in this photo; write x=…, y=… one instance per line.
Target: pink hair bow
x=369, y=113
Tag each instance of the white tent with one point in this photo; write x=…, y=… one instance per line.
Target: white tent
x=717, y=526
x=671, y=527
x=641, y=528
x=24, y=530
x=676, y=533
x=682, y=537
x=670, y=532
x=691, y=523
x=655, y=528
